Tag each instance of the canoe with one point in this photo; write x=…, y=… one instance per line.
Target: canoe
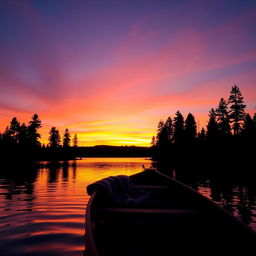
x=172, y=220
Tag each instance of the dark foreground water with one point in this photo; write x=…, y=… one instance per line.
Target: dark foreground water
x=43, y=209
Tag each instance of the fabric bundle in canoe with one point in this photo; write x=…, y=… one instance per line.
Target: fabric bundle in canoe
x=119, y=189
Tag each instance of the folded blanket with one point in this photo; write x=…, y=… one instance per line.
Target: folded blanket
x=119, y=189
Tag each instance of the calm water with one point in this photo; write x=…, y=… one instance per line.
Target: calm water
x=43, y=211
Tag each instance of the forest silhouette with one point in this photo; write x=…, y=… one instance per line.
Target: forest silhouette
x=229, y=138
x=21, y=142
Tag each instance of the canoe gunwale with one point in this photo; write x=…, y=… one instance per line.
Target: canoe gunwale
x=89, y=237
x=211, y=203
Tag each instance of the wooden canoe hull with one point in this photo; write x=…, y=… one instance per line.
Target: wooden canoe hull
x=174, y=220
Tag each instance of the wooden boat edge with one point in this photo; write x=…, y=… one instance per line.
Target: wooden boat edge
x=89, y=236
x=210, y=203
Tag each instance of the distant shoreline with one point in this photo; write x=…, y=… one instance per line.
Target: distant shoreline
x=113, y=151
x=66, y=154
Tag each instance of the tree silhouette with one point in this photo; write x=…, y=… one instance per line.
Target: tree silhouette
x=75, y=141
x=169, y=129
x=254, y=123
x=254, y=119
x=66, y=139
x=14, y=129
x=23, y=135
x=202, y=136
x=153, y=141
x=33, y=135
x=22, y=141
x=54, y=138
x=212, y=126
x=160, y=128
x=190, y=129
x=6, y=136
x=178, y=124
x=237, y=107
x=164, y=132
x=249, y=128
x=215, y=140
x=223, y=118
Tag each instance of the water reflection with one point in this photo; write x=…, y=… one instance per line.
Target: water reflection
x=16, y=183
x=236, y=196
x=43, y=206
x=231, y=187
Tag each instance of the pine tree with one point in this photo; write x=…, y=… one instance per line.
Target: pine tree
x=178, y=124
x=169, y=129
x=33, y=135
x=249, y=128
x=254, y=124
x=212, y=126
x=164, y=132
x=54, y=138
x=190, y=129
x=160, y=132
x=237, y=113
x=153, y=141
x=202, y=136
x=254, y=119
x=66, y=139
x=7, y=132
x=14, y=129
x=75, y=141
x=223, y=118
x=23, y=135
x=6, y=137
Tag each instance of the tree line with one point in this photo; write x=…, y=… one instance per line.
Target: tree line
x=228, y=125
x=24, y=141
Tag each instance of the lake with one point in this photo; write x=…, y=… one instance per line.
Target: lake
x=43, y=208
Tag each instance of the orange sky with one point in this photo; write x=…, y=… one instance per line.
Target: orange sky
x=110, y=72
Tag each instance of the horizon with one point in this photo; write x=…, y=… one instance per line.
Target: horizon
x=110, y=72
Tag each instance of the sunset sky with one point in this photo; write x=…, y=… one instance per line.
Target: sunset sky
x=110, y=70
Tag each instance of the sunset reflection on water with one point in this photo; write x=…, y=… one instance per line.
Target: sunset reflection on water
x=43, y=208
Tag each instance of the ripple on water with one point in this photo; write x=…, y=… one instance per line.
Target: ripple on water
x=43, y=212
x=39, y=228
x=42, y=244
